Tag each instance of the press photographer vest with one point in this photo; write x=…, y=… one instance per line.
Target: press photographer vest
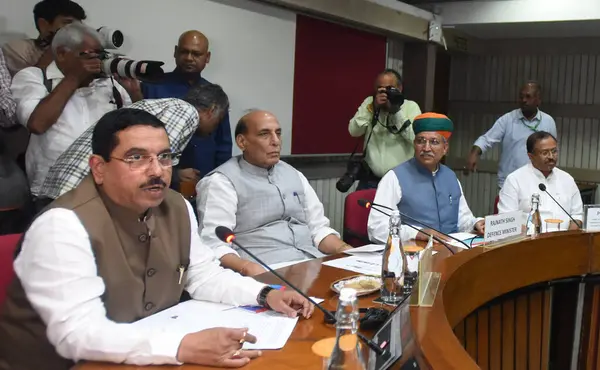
x=270, y=218
x=431, y=199
x=130, y=257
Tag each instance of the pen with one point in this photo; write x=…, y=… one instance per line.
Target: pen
x=297, y=196
x=181, y=270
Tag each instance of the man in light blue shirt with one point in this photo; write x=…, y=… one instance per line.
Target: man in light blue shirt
x=512, y=130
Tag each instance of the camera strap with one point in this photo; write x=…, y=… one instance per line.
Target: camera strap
x=118, y=99
x=116, y=95
x=373, y=123
x=46, y=81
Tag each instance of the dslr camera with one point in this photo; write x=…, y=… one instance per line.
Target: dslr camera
x=355, y=169
x=395, y=98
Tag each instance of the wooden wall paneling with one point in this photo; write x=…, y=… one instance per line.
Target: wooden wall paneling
x=483, y=338
x=471, y=332
x=536, y=317
x=546, y=327
x=495, y=337
x=521, y=332
x=485, y=86
x=459, y=331
x=508, y=335
x=590, y=341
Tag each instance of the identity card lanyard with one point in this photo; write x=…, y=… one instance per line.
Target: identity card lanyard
x=532, y=128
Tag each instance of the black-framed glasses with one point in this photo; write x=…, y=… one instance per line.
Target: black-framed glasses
x=142, y=162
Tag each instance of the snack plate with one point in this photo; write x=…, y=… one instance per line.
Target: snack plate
x=364, y=284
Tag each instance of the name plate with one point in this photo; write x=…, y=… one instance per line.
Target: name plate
x=591, y=217
x=502, y=226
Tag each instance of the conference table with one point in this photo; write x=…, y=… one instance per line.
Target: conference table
x=531, y=304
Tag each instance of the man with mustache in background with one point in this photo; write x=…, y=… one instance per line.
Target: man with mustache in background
x=120, y=247
x=515, y=195
x=423, y=188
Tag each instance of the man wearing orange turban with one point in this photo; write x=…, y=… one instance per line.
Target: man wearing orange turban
x=423, y=188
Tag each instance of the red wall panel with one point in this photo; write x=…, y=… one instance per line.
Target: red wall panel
x=334, y=70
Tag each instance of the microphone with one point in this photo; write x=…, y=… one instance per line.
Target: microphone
x=543, y=188
x=366, y=204
x=226, y=235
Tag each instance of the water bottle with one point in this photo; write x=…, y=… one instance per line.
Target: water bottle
x=534, y=220
x=394, y=265
x=346, y=353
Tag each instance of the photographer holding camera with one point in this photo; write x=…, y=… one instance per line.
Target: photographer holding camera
x=58, y=103
x=387, y=117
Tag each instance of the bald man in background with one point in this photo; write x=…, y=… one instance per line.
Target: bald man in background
x=202, y=154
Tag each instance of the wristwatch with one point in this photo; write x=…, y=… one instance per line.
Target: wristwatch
x=262, y=296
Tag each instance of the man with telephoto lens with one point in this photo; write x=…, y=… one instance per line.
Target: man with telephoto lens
x=392, y=136
x=58, y=103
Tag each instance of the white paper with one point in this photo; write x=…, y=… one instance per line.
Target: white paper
x=280, y=265
x=592, y=218
x=369, y=248
x=463, y=236
x=412, y=260
x=368, y=264
x=271, y=329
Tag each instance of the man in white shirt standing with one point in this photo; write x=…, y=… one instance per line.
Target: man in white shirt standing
x=58, y=103
x=523, y=183
x=118, y=248
x=269, y=205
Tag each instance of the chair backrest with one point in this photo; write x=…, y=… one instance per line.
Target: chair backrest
x=496, y=201
x=356, y=217
x=8, y=244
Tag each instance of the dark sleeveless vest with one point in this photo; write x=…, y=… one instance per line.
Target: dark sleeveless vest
x=138, y=260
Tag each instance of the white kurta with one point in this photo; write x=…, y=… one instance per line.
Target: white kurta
x=522, y=183
x=58, y=272
x=389, y=194
x=217, y=206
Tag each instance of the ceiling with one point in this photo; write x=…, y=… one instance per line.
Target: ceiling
x=532, y=30
x=419, y=2
x=564, y=29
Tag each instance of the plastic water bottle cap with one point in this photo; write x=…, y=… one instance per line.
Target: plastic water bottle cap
x=347, y=294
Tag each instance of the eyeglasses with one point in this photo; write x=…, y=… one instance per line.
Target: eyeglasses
x=432, y=142
x=139, y=161
x=548, y=153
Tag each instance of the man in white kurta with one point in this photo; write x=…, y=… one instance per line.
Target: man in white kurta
x=423, y=188
x=271, y=207
x=524, y=182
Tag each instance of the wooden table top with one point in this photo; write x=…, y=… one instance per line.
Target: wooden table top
x=312, y=277
x=469, y=279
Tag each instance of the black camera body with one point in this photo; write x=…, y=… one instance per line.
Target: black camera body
x=395, y=97
x=355, y=169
